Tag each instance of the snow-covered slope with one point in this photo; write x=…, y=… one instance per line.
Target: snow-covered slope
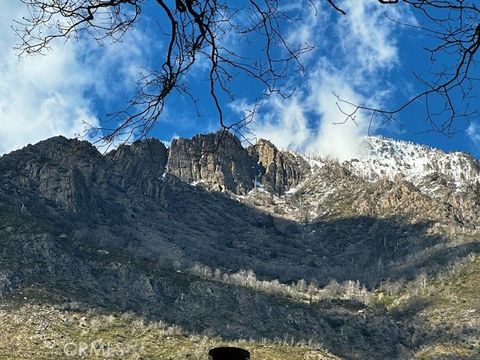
x=416, y=163
x=391, y=178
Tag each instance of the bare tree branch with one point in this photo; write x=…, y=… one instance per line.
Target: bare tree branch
x=198, y=31
x=454, y=27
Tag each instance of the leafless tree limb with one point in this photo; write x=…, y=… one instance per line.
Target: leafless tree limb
x=454, y=27
x=197, y=31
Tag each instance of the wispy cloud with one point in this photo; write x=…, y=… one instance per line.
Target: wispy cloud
x=284, y=122
x=43, y=96
x=473, y=132
x=353, y=55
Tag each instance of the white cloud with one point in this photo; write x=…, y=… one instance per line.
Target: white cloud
x=353, y=54
x=473, y=132
x=46, y=95
x=168, y=143
x=284, y=124
x=336, y=136
x=310, y=30
x=287, y=123
x=367, y=37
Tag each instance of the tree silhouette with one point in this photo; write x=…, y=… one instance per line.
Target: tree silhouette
x=454, y=29
x=199, y=30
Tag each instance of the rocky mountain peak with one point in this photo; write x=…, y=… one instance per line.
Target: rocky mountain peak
x=148, y=150
x=217, y=160
x=395, y=176
x=279, y=170
x=140, y=159
x=60, y=170
x=58, y=149
x=427, y=168
x=138, y=166
x=266, y=151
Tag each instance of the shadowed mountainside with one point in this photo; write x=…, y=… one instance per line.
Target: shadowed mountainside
x=122, y=231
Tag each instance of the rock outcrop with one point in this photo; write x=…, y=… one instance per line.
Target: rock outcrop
x=139, y=166
x=58, y=169
x=280, y=170
x=216, y=160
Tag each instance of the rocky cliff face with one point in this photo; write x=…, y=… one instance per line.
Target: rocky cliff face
x=59, y=170
x=74, y=175
x=279, y=170
x=216, y=160
x=140, y=166
x=220, y=162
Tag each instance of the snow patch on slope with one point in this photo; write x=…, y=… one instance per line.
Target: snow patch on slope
x=390, y=158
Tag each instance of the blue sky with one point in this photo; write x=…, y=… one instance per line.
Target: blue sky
x=363, y=57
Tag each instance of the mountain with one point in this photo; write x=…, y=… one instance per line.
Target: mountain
x=375, y=257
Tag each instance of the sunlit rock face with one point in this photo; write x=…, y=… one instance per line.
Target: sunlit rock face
x=279, y=170
x=216, y=160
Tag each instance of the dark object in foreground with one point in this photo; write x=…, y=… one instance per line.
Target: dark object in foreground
x=228, y=353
